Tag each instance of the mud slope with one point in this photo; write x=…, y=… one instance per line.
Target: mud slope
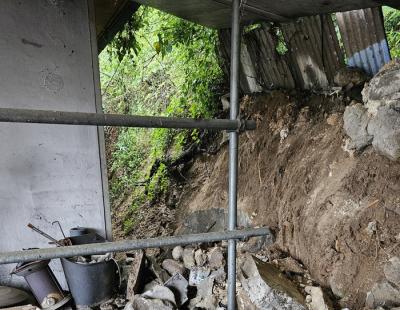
x=296, y=178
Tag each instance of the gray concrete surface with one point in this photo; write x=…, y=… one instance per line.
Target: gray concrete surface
x=47, y=172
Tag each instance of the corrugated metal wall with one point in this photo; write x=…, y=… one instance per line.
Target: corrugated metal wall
x=364, y=39
x=272, y=68
x=314, y=51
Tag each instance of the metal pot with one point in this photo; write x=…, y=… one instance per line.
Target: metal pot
x=42, y=283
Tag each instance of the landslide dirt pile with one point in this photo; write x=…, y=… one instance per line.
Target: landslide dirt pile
x=338, y=212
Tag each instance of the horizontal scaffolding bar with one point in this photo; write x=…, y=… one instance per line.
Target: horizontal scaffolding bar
x=98, y=119
x=127, y=245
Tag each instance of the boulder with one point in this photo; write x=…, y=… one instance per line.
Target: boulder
x=356, y=121
x=384, y=88
x=385, y=129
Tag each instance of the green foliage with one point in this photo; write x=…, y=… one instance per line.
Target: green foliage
x=392, y=27
x=158, y=65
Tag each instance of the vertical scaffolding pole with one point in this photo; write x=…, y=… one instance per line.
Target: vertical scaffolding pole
x=233, y=152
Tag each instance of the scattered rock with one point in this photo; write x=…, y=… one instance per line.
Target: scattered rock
x=188, y=258
x=205, y=287
x=160, y=273
x=177, y=253
x=219, y=275
x=383, y=294
x=160, y=292
x=107, y=306
x=200, y=257
x=317, y=299
x=215, y=258
x=392, y=270
x=371, y=228
x=356, y=120
x=173, y=267
x=140, y=303
x=179, y=286
x=198, y=274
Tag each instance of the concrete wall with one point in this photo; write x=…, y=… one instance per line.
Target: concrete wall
x=48, y=172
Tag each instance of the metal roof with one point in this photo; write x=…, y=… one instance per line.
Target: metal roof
x=217, y=13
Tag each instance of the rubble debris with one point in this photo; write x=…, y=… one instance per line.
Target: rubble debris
x=317, y=299
x=162, y=293
x=215, y=258
x=219, y=275
x=188, y=257
x=179, y=286
x=199, y=257
x=177, y=253
x=136, y=267
x=141, y=303
x=198, y=274
x=173, y=267
x=255, y=244
x=383, y=294
x=156, y=269
x=267, y=287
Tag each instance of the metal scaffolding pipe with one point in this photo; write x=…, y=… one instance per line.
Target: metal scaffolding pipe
x=233, y=152
x=98, y=119
x=126, y=245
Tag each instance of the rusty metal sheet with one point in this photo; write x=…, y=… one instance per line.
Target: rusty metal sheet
x=364, y=39
x=248, y=75
x=271, y=68
x=314, y=51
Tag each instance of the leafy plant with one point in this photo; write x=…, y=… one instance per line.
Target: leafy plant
x=392, y=27
x=158, y=65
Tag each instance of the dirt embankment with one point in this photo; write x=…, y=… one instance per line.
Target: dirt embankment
x=336, y=213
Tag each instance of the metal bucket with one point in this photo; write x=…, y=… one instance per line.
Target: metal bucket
x=42, y=283
x=90, y=284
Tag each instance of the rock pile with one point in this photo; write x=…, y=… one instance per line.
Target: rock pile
x=196, y=278
x=377, y=121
